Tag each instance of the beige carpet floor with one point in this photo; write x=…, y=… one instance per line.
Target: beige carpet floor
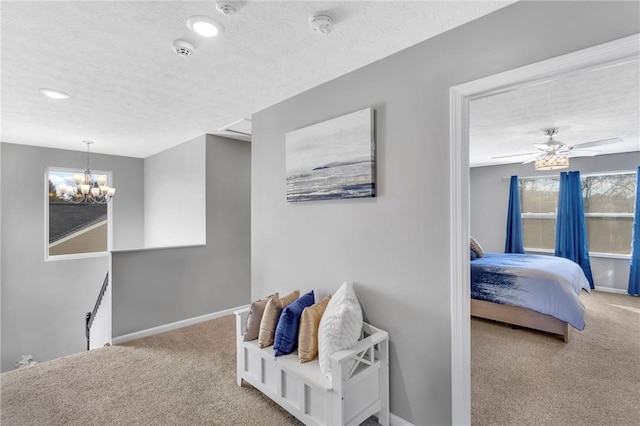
x=523, y=377
x=187, y=377
x=181, y=377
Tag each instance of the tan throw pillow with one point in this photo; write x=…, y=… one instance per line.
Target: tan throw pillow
x=271, y=315
x=255, y=317
x=308, y=334
x=475, y=247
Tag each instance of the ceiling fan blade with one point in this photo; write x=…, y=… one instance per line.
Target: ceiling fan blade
x=584, y=153
x=542, y=146
x=600, y=142
x=531, y=160
x=514, y=155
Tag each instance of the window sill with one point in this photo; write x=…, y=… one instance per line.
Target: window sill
x=75, y=256
x=591, y=254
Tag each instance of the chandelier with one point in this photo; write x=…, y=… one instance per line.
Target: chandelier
x=86, y=187
x=552, y=162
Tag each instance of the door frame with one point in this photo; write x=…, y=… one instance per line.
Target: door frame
x=605, y=55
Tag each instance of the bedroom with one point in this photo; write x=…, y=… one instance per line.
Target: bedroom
x=560, y=102
x=384, y=242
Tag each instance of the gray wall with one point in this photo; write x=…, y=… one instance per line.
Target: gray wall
x=157, y=287
x=44, y=303
x=174, y=181
x=490, y=197
x=396, y=247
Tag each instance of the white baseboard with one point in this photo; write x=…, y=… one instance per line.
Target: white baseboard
x=172, y=326
x=611, y=290
x=398, y=421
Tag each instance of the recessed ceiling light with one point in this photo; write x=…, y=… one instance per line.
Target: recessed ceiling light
x=204, y=25
x=54, y=94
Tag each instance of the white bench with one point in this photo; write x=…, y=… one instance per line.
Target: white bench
x=348, y=398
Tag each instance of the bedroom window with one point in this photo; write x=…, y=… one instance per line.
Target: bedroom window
x=608, y=210
x=539, y=202
x=72, y=230
x=608, y=205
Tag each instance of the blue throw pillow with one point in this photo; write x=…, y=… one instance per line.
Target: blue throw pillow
x=286, y=339
x=473, y=255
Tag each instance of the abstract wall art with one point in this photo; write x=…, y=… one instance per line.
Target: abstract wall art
x=333, y=159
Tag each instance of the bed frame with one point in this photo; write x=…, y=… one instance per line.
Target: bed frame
x=522, y=317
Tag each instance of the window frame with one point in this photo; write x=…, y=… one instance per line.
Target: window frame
x=552, y=216
x=58, y=257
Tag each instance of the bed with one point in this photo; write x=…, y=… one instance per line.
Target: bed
x=533, y=291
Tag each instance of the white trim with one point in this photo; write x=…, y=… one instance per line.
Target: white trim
x=76, y=256
x=174, y=325
x=459, y=252
x=610, y=290
x=72, y=256
x=398, y=421
x=132, y=250
x=624, y=50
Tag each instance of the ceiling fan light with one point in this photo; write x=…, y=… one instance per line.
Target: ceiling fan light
x=552, y=162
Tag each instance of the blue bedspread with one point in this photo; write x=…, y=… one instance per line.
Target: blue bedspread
x=546, y=284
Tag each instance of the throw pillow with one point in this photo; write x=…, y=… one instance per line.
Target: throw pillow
x=286, y=338
x=255, y=316
x=271, y=315
x=308, y=334
x=340, y=325
x=472, y=255
x=475, y=246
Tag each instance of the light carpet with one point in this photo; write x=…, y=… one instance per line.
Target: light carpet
x=181, y=377
x=524, y=377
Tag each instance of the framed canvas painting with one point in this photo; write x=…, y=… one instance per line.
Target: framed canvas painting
x=334, y=159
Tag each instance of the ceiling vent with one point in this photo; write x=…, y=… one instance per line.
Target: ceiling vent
x=183, y=48
x=240, y=129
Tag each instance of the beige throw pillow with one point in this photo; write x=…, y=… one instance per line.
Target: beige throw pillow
x=271, y=315
x=308, y=334
x=254, y=318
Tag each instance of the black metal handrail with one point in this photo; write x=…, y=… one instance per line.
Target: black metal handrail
x=92, y=315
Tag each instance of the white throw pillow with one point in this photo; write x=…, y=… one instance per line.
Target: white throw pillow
x=340, y=325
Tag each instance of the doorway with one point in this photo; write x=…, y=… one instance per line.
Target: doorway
x=604, y=55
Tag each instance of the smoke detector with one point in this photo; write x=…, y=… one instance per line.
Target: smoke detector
x=321, y=22
x=227, y=7
x=183, y=48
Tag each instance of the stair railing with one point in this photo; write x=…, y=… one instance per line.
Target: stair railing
x=99, y=320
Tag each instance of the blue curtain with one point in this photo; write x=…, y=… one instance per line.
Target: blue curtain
x=571, y=235
x=634, y=271
x=513, y=242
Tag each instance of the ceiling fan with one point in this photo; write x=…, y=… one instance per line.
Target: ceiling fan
x=557, y=153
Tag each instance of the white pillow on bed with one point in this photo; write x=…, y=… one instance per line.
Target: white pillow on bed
x=340, y=325
x=475, y=247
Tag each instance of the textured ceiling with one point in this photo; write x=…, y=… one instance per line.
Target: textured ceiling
x=590, y=106
x=133, y=96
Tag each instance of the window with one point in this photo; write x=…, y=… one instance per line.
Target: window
x=539, y=201
x=73, y=229
x=608, y=205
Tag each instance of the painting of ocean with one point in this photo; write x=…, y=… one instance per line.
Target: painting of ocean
x=332, y=160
